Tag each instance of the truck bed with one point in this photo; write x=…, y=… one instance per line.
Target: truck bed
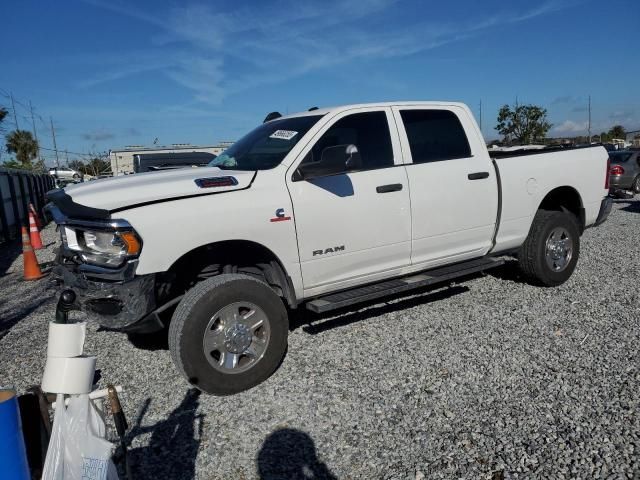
x=527, y=176
x=532, y=151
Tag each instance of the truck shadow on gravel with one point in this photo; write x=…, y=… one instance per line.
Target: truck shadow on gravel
x=632, y=206
x=173, y=447
x=291, y=454
x=150, y=341
x=509, y=271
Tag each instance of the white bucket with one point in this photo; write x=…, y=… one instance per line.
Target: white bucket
x=71, y=376
x=66, y=340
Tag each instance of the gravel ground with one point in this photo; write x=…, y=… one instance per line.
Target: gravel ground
x=491, y=378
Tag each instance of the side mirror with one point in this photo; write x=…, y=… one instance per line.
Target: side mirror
x=334, y=160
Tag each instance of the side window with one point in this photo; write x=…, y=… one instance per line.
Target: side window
x=435, y=135
x=368, y=132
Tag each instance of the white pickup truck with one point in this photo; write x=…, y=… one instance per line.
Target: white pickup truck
x=320, y=209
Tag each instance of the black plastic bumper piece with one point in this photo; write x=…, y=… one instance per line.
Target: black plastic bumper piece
x=116, y=305
x=605, y=210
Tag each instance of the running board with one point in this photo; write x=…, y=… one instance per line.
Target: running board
x=390, y=287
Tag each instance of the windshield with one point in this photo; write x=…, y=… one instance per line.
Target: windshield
x=266, y=146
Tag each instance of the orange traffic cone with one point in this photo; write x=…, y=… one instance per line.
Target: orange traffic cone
x=36, y=241
x=36, y=216
x=31, y=268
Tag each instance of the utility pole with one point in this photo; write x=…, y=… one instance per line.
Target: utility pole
x=13, y=105
x=66, y=155
x=35, y=134
x=589, y=118
x=55, y=147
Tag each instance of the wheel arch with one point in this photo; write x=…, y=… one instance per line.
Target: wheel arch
x=565, y=198
x=232, y=256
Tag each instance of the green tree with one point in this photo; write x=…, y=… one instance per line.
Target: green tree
x=22, y=143
x=13, y=163
x=523, y=124
x=77, y=165
x=97, y=165
x=40, y=166
x=617, y=131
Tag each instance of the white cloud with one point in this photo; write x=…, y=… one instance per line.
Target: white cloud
x=570, y=127
x=196, y=45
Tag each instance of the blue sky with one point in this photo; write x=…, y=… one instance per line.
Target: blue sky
x=114, y=73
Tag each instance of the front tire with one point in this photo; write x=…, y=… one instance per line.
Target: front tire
x=636, y=185
x=550, y=252
x=228, y=334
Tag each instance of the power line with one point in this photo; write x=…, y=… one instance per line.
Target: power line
x=73, y=153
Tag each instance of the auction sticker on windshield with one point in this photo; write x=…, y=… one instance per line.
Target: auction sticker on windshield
x=283, y=134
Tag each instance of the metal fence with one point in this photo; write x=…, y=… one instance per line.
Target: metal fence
x=19, y=188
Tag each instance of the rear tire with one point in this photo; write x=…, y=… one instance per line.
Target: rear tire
x=550, y=252
x=636, y=185
x=214, y=340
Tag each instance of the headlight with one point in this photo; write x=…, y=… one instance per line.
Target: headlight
x=106, y=248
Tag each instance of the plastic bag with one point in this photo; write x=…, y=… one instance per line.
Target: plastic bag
x=77, y=449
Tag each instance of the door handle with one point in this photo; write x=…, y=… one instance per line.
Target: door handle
x=393, y=187
x=478, y=175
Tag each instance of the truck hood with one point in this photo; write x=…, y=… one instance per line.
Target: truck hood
x=119, y=193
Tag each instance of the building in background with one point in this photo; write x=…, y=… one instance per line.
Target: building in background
x=123, y=160
x=633, y=138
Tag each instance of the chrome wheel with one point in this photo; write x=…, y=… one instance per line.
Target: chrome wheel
x=236, y=337
x=559, y=249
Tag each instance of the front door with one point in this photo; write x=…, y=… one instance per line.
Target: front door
x=353, y=224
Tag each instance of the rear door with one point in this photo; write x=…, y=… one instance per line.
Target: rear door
x=353, y=226
x=452, y=184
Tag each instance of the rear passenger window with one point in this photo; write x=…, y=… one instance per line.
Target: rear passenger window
x=435, y=135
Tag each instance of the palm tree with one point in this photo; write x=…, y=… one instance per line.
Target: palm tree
x=22, y=143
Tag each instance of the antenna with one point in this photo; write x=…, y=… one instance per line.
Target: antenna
x=481, y=116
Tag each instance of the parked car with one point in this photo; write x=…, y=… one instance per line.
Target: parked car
x=624, y=171
x=318, y=210
x=65, y=173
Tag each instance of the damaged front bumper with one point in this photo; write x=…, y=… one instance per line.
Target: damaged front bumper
x=115, y=299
